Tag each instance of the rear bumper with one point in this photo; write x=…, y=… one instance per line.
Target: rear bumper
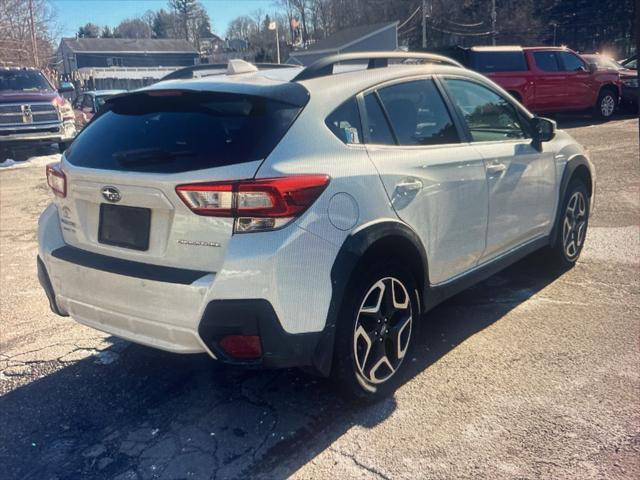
x=163, y=307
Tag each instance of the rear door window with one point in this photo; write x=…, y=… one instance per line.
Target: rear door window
x=418, y=114
x=378, y=129
x=546, y=61
x=487, y=62
x=183, y=132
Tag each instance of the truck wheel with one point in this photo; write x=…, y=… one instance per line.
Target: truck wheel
x=572, y=226
x=376, y=332
x=606, y=105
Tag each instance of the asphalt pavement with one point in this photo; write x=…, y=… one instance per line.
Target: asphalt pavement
x=534, y=373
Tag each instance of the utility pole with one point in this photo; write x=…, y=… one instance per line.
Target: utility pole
x=34, y=43
x=274, y=26
x=424, y=24
x=494, y=17
x=277, y=44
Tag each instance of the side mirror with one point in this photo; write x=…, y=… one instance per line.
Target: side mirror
x=66, y=87
x=544, y=130
x=592, y=67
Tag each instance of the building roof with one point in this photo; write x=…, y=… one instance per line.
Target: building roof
x=345, y=38
x=128, y=45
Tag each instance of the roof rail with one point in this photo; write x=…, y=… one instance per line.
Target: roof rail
x=188, y=72
x=324, y=66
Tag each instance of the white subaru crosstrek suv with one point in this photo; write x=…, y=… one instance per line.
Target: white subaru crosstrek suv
x=304, y=217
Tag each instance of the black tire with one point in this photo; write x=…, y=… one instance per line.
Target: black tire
x=363, y=339
x=573, y=223
x=607, y=104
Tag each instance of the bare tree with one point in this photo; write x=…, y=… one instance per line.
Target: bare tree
x=132, y=28
x=23, y=42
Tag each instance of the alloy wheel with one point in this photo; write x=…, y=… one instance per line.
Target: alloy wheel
x=607, y=105
x=382, y=331
x=575, y=225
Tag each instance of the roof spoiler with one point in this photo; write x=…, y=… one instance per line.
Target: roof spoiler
x=324, y=66
x=220, y=68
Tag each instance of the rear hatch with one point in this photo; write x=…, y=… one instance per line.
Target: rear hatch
x=123, y=169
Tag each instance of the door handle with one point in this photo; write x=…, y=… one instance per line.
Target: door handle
x=496, y=168
x=408, y=186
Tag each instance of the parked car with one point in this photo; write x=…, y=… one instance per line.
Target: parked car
x=302, y=218
x=548, y=79
x=628, y=77
x=87, y=104
x=631, y=63
x=31, y=110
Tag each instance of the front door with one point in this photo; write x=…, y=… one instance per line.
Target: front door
x=579, y=89
x=550, y=91
x=521, y=178
x=436, y=184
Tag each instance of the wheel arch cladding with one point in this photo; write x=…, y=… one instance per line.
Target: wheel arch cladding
x=576, y=168
x=386, y=239
x=611, y=87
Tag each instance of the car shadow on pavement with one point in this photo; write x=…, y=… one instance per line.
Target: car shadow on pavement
x=150, y=414
x=577, y=120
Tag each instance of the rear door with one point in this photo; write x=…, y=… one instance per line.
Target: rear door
x=521, y=178
x=123, y=169
x=550, y=91
x=435, y=183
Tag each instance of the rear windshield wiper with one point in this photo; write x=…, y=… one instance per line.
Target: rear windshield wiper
x=150, y=156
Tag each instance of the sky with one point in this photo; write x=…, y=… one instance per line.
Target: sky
x=71, y=14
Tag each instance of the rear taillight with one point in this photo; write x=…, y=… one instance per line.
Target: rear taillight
x=57, y=180
x=256, y=205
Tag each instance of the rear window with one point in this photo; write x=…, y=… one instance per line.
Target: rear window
x=498, y=62
x=184, y=132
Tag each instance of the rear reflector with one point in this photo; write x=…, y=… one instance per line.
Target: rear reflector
x=242, y=347
x=57, y=180
x=256, y=205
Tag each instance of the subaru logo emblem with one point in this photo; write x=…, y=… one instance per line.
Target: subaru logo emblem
x=111, y=194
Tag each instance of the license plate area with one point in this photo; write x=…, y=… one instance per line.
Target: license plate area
x=125, y=227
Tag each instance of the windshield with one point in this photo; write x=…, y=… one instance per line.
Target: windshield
x=188, y=131
x=23, y=81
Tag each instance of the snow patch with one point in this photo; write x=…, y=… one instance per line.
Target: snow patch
x=40, y=161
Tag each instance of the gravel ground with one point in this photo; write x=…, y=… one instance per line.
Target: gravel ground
x=532, y=374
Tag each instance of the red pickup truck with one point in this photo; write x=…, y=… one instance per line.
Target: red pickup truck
x=548, y=79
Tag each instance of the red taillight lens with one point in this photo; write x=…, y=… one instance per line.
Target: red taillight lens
x=57, y=180
x=256, y=205
x=242, y=347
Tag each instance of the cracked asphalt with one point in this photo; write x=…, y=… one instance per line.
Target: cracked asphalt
x=531, y=374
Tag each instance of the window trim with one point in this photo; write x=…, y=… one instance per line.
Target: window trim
x=523, y=115
x=388, y=83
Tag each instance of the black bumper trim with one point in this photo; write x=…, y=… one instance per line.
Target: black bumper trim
x=256, y=317
x=43, y=278
x=127, y=268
